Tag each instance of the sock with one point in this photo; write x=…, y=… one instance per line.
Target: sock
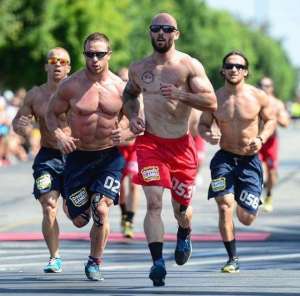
x=129, y=216
x=123, y=209
x=231, y=249
x=156, y=250
x=183, y=233
x=96, y=260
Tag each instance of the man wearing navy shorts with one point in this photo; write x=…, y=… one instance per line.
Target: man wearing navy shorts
x=236, y=170
x=92, y=100
x=49, y=163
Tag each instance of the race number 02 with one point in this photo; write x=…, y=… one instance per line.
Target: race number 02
x=112, y=184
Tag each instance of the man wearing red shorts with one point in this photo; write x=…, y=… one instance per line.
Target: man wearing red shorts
x=172, y=83
x=269, y=151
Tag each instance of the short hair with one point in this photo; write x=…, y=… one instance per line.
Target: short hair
x=236, y=52
x=97, y=36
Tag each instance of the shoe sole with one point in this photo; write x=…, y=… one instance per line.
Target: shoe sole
x=52, y=271
x=158, y=277
x=179, y=259
x=230, y=271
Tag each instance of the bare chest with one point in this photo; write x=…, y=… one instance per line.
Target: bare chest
x=151, y=77
x=97, y=99
x=243, y=108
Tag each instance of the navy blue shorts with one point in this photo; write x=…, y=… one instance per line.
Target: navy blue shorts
x=48, y=168
x=89, y=172
x=237, y=174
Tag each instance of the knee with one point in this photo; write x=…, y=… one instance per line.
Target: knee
x=245, y=218
x=79, y=222
x=225, y=209
x=154, y=207
x=49, y=210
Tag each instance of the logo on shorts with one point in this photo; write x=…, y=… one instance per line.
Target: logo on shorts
x=43, y=182
x=80, y=197
x=150, y=173
x=148, y=77
x=218, y=184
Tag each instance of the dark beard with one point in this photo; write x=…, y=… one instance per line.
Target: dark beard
x=161, y=49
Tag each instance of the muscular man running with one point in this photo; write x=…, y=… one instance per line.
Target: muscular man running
x=172, y=83
x=236, y=170
x=92, y=100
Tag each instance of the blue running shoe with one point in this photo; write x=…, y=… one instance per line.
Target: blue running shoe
x=54, y=266
x=92, y=271
x=158, y=273
x=183, y=250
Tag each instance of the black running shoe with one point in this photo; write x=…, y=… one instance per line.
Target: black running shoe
x=158, y=273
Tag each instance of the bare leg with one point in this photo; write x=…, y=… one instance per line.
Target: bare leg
x=50, y=229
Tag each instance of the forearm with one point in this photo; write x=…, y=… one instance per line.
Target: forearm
x=131, y=105
x=268, y=130
x=204, y=101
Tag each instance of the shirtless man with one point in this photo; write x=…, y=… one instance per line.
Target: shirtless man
x=269, y=152
x=92, y=100
x=129, y=195
x=236, y=170
x=172, y=83
x=49, y=163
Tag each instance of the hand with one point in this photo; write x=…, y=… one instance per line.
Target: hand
x=137, y=125
x=118, y=136
x=67, y=144
x=170, y=91
x=212, y=138
x=255, y=145
x=23, y=123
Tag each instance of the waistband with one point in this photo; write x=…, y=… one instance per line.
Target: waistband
x=167, y=140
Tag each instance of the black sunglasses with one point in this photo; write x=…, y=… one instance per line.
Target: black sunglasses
x=98, y=54
x=230, y=66
x=165, y=28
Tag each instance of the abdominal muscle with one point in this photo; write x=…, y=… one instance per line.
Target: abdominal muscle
x=166, y=118
x=93, y=131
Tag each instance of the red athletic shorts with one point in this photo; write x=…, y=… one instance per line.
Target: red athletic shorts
x=269, y=152
x=200, y=147
x=169, y=163
x=129, y=154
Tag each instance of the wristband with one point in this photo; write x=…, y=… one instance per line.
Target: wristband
x=261, y=139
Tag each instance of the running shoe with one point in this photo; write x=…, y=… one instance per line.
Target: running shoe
x=158, y=273
x=183, y=250
x=92, y=271
x=268, y=204
x=54, y=266
x=231, y=266
x=128, y=229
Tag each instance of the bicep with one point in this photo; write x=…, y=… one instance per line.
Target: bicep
x=58, y=103
x=198, y=80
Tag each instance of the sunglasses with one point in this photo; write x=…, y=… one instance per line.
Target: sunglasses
x=230, y=66
x=98, y=54
x=54, y=61
x=165, y=28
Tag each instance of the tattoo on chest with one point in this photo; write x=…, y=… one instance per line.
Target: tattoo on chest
x=148, y=77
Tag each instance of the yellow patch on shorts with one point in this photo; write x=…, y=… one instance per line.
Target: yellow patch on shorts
x=150, y=173
x=43, y=182
x=218, y=184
